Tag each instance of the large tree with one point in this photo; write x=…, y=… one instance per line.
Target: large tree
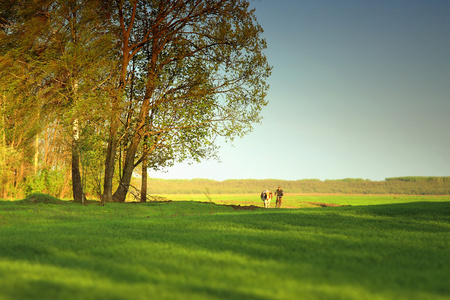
x=191, y=70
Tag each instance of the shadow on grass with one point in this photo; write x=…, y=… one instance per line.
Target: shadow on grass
x=395, y=251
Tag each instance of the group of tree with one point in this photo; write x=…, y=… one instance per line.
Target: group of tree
x=92, y=91
x=396, y=186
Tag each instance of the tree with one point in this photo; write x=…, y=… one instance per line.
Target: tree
x=61, y=53
x=200, y=73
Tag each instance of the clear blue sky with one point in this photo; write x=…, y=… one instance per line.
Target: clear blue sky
x=359, y=89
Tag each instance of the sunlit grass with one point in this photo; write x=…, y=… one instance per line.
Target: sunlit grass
x=190, y=250
x=305, y=200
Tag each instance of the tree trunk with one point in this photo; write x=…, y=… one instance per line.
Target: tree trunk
x=109, y=164
x=65, y=187
x=114, y=127
x=3, y=171
x=77, y=187
x=36, y=154
x=144, y=183
x=144, y=172
x=128, y=168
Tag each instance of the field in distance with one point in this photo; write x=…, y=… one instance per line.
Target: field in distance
x=304, y=200
x=393, y=186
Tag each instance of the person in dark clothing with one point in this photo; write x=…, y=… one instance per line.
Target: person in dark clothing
x=279, y=193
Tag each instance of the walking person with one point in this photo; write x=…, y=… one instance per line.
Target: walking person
x=279, y=193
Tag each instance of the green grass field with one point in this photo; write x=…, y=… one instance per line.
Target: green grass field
x=380, y=247
x=305, y=200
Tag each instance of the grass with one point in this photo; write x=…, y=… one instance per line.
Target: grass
x=306, y=200
x=188, y=250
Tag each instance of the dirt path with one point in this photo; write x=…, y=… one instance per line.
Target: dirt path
x=253, y=207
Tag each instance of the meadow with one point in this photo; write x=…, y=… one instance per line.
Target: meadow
x=394, y=185
x=379, y=247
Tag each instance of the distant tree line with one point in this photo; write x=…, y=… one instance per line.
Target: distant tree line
x=420, y=178
x=398, y=185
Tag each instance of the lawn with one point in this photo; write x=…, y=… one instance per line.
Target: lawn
x=184, y=249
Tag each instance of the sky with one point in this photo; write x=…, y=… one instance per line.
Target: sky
x=359, y=89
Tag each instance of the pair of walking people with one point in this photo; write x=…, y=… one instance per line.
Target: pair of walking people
x=279, y=193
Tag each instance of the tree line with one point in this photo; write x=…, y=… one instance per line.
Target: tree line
x=425, y=186
x=94, y=91
x=443, y=179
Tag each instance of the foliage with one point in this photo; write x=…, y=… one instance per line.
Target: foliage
x=54, y=58
x=92, y=144
x=17, y=145
x=180, y=250
x=45, y=181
